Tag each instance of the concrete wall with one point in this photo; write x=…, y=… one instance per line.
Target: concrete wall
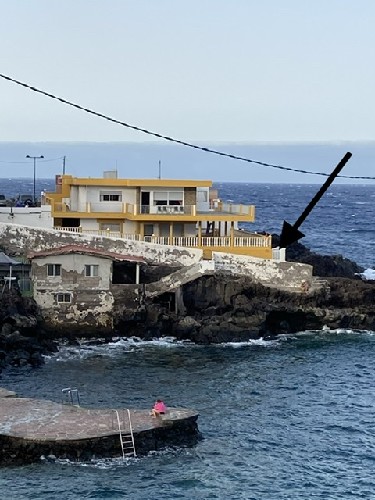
x=81, y=195
x=34, y=217
x=18, y=240
x=282, y=275
x=91, y=301
x=89, y=224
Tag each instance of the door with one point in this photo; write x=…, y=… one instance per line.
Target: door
x=145, y=202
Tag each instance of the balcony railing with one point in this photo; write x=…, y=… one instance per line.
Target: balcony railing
x=134, y=210
x=168, y=209
x=233, y=208
x=258, y=241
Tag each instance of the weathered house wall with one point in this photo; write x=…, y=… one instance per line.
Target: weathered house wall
x=91, y=301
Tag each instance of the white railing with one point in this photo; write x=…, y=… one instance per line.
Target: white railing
x=252, y=241
x=278, y=254
x=168, y=209
x=233, y=208
x=68, y=229
x=181, y=241
x=216, y=241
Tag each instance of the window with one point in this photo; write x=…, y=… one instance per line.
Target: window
x=168, y=198
x=148, y=229
x=110, y=196
x=91, y=270
x=64, y=298
x=114, y=227
x=53, y=269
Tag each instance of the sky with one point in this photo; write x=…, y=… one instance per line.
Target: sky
x=202, y=71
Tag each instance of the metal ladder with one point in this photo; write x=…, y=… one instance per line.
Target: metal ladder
x=69, y=395
x=126, y=438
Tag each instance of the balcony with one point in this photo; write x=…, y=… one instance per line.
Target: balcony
x=254, y=244
x=130, y=210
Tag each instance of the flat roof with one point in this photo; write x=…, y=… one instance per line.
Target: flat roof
x=91, y=181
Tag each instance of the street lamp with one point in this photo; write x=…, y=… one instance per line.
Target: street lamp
x=34, y=158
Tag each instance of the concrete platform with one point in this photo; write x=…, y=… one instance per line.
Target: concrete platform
x=30, y=428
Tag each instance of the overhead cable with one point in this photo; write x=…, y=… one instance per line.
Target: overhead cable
x=171, y=139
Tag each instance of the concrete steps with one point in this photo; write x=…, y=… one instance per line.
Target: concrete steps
x=175, y=280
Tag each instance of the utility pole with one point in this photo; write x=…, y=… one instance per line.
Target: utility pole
x=159, y=169
x=34, y=158
x=64, y=158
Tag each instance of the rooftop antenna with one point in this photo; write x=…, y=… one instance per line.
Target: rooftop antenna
x=159, y=169
x=64, y=158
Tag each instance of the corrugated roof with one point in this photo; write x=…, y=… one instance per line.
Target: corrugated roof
x=67, y=249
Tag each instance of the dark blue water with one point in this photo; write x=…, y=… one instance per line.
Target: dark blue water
x=341, y=223
x=292, y=418
x=287, y=419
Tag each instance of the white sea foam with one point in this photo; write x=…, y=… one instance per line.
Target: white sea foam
x=252, y=342
x=87, y=349
x=109, y=463
x=100, y=463
x=368, y=274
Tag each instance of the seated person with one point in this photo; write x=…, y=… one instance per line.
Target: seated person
x=159, y=408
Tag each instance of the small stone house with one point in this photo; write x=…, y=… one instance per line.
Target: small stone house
x=73, y=284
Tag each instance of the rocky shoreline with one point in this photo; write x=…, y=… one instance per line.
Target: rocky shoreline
x=215, y=309
x=23, y=340
x=233, y=310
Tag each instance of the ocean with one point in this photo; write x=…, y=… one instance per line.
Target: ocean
x=291, y=418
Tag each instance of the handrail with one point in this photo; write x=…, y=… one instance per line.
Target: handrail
x=131, y=431
x=121, y=432
x=256, y=240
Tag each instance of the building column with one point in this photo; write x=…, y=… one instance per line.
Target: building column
x=232, y=234
x=200, y=233
x=171, y=233
x=137, y=273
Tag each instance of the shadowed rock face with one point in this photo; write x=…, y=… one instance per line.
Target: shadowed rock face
x=323, y=265
x=22, y=339
x=219, y=309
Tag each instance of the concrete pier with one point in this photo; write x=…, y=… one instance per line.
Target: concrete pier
x=31, y=428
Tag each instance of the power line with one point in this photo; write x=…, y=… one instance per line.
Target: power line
x=40, y=161
x=171, y=139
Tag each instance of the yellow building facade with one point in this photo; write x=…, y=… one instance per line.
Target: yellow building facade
x=185, y=213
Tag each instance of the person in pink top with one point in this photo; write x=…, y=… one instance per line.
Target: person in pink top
x=159, y=408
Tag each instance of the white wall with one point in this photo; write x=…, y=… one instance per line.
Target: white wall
x=203, y=199
x=267, y=272
x=89, y=224
x=34, y=217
